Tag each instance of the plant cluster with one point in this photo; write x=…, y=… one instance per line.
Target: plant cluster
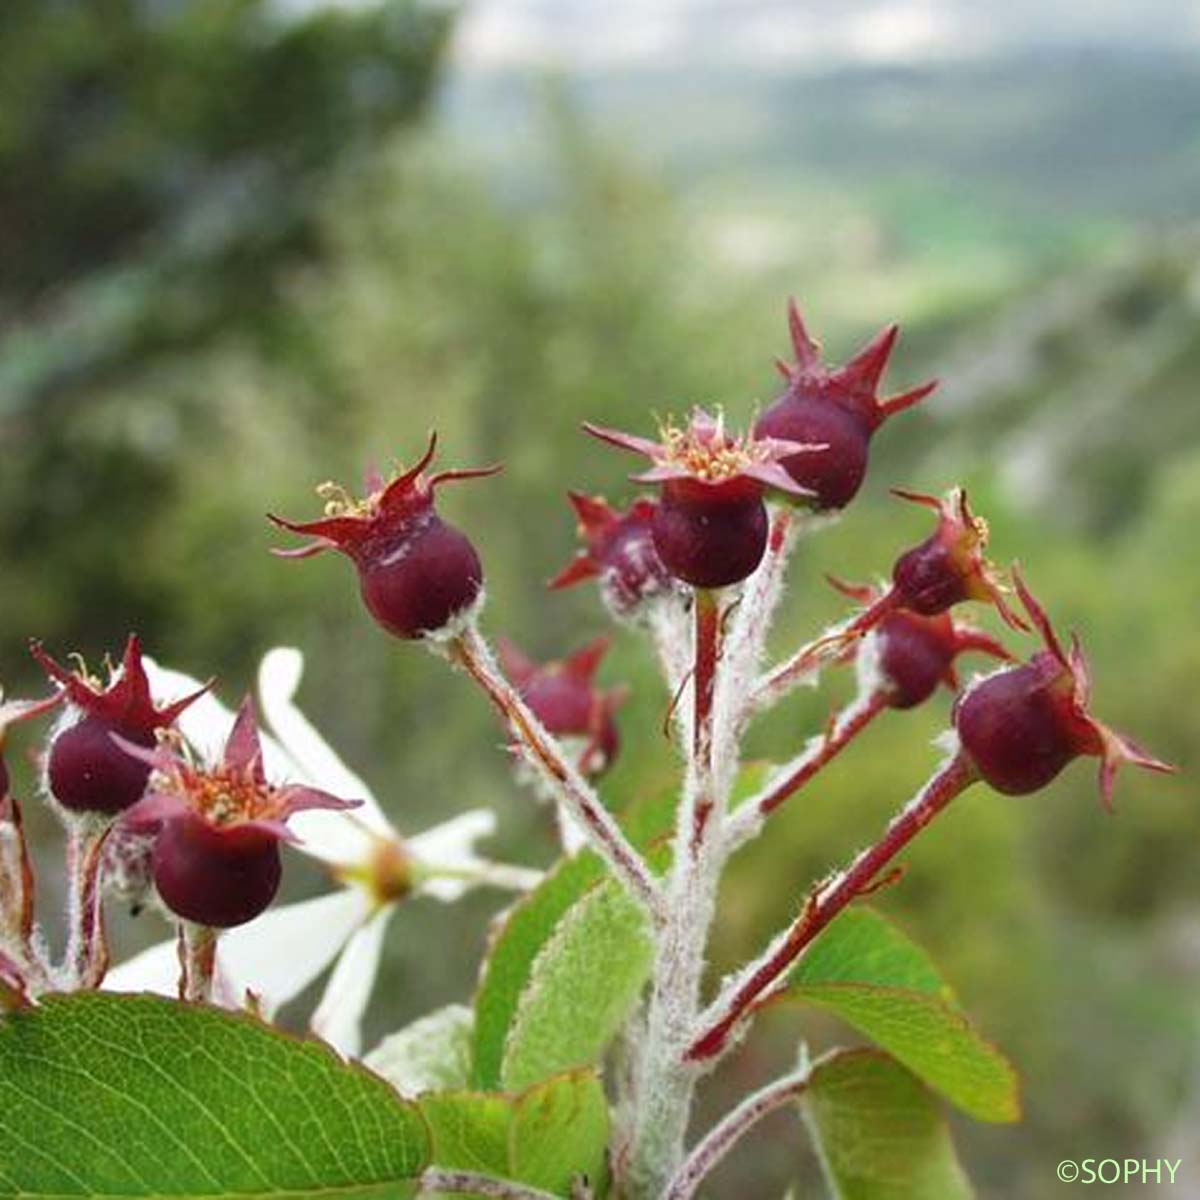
x=181, y=803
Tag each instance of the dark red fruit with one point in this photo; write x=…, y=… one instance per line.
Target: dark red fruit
x=564, y=697
x=417, y=573
x=710, y=528
x=710, y=538
x=86, y=770
x=949, y=566
x=619, y=553
x=217, y=829
x=1021, y=726
x=917, y=653
x=214, y=877
x=834, y=407
x=422, y=588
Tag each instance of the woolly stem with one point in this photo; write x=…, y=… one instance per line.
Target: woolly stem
x=750, y=985
x=748, y=819
x=664, y=1082
x=87, y=956
x=470, y=651
x=704, y=683
x=806, y=663
x=197, y=961
x=723, y=1136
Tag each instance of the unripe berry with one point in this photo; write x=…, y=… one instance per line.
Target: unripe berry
x=834, y=407
x=564, y=697
x=1021, y=726
x=85, y=768
x=949, y=566
x=217, y=829
x=710, y=528
x=917, y=653
x=619, y=553
x=417, y=573
x=912, y=653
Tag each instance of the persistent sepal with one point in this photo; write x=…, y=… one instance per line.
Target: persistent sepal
x=1021, y=726
x=85, y=770
x=710, y=529
x=217, y=829
x=417, y=573
x=837, y=406
x=563, y=695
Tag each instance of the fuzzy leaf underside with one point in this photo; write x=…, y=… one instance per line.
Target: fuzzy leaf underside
x=433, y=1052
x=106, y=1095
x=581, y=987
x=879, y=1133
x=530, y=928
x=871, y=975
x=546, y=1136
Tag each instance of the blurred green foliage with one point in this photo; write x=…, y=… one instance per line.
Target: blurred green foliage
x=237, y=285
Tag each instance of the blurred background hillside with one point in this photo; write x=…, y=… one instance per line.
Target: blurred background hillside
x=249, y=245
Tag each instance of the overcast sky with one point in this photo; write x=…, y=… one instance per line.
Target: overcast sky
x=583, y=33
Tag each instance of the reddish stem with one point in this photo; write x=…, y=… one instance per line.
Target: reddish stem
x=831, y=898
x=704, y=677
x=10, y=813
x=197, y=946
x=471, y=653
x=87, y=943
x=809, y=657
x=850, y=723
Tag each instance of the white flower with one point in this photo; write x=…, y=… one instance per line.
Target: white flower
x=278, y=955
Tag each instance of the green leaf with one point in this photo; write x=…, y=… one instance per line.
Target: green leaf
x=531, y=926
x=105, y=1095
x=432, y=1052
x=863, y=945
x=546, y=1136
x=871, y=975
x=582, y=985
x=879, y=1132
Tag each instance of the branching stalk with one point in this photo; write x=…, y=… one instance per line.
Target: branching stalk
x=805, y=664
x=719, y=1140
x=471, y=652
x=818, y=754
x=751, y=985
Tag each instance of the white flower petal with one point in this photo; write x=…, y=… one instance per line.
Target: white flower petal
x=275, y=956
x=280, y=953
x=153, y=970
x=206, y=723
x=338, y=1018
x=452, y=843
x=278, y=679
